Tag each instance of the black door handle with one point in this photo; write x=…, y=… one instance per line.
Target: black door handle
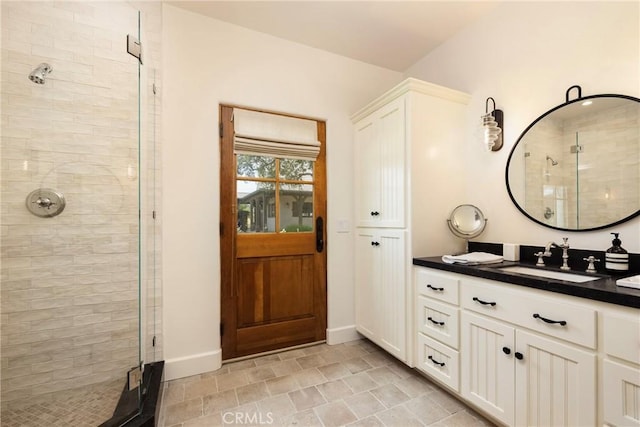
x=544, y=319
x=435, y=322
x=519, y=355
x=506, y=350
x=435, y=362
x=492, y=304
x=319, y=234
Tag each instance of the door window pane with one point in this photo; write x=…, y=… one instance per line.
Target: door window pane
x=256, y=166
x=296, y=170
x=254, y=200
x=296, y=208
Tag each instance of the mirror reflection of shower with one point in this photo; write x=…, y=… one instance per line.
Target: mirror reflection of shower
x=40, y=72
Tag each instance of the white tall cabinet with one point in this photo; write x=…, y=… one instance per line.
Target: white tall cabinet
x=407, y=143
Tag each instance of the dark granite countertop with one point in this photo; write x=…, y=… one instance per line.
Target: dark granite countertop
x=603, y=289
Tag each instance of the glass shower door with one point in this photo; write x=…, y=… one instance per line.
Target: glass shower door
x=70, y=211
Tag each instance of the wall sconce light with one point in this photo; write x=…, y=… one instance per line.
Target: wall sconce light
x=492, y=124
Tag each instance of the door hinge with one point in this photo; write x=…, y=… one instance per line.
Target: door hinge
x=153, y=214
x=221, y=329
x=153, y=341
x=220, y=128
x=134, y=47
x=134, y=376
x=221, y=229
x=576, y=149
x=154, y=89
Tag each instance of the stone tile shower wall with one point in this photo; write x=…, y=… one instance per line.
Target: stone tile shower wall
x=70, y=298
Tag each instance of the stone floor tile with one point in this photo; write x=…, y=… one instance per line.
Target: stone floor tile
x=334, y=371
x=399, y=416
x=232, y=380
x=360, y=382
x=335, y=414
x=252, y=392
x=389, y=395
x=309, y=377
x=183, y=411
x=383, y=375
x=311, y=361
x=213, y=420
x=285, y=367
x=364, y=404
x=306, y=398
x=415, y=386
x=356, y=364
x=334, y=390
x=371, y=421
x=278, y=406
x=200, y=388
x=260, y=373
x=462, y=419
x=426, y=410
x=219, y=402
x=306, y=418
x=282, y=385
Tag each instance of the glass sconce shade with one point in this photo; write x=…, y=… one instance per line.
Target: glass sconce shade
x=492, y=123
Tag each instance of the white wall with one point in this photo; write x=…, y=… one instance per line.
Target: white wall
x=526, y=55
x=207, y=62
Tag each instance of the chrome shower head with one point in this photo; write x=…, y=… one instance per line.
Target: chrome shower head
x=553, y=162
x=41, y=71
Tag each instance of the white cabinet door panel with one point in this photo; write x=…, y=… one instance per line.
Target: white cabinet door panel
x=556, y=383
x=621, y=394
x=487, y=365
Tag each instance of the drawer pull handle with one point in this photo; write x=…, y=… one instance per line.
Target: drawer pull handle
x=435, y=362
x=519, y=355
x=476, y=299
x=560, y=322
x=435, y=322
x=434, y=288
x=506, y=350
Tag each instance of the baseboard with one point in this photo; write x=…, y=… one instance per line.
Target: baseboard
x=343, y=334
x=187, y=366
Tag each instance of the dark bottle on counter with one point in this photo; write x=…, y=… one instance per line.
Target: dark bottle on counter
x=616, y=258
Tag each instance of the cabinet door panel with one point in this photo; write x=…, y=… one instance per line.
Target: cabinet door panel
x=555, y=383
x=391, y=133
x=367, y=286
x=621, y=394
x=487, y=369
x=391, y=259
x=367, y=172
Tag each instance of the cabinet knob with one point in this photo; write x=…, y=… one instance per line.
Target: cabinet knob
x=375, y=243
x=375, y=213
x=518, y=355
x=506, y=350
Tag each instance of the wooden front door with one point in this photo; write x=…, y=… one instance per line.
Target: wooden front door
x=273, y=254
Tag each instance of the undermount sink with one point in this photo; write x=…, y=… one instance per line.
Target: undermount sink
x=569, y=277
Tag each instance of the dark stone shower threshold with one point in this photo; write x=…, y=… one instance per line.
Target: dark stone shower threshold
x=128, y=413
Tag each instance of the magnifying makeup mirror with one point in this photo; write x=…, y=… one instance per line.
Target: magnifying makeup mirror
x=467, y=222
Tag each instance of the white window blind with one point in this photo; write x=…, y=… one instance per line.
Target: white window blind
x=266, y=134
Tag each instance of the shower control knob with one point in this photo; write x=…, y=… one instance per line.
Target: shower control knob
x=45, y=202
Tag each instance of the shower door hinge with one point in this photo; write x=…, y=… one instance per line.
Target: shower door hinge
x=134, y=47
x=221, y=329
x=134, y=376
x=153, y=341
x=577, y=149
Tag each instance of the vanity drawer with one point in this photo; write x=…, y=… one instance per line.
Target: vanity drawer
x=438, y=361
x=550, y=316
x=622, y=336
x=442, y=287
x=438, y=320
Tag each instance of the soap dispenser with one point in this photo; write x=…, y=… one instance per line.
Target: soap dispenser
x=616, y=258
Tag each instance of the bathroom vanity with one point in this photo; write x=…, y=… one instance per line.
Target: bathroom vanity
x=530, y=350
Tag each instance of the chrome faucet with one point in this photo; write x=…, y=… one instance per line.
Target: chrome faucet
x=546, y=253
x=565, y=254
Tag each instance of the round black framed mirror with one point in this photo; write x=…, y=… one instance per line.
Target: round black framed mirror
x=577, y=166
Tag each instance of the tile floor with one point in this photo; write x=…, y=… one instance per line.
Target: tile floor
x=355, y=384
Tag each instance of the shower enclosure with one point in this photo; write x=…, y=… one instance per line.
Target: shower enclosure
x=80, y=289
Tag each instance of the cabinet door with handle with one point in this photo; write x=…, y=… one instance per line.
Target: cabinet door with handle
x=555, y=383
x=380, y=167
x=487, y=357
